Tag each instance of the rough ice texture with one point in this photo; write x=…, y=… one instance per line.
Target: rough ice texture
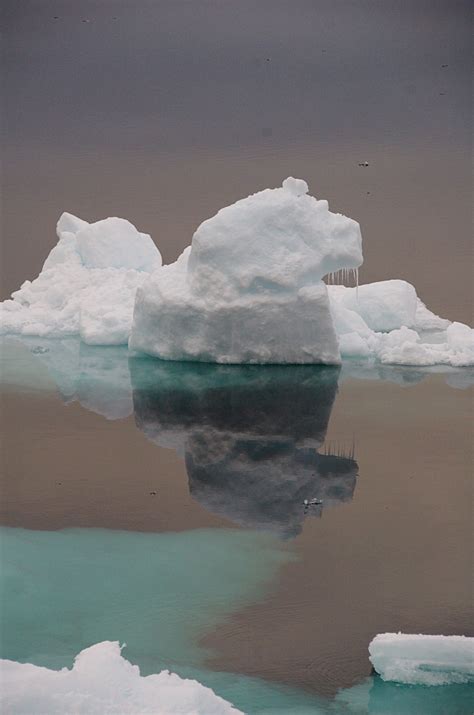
x=250, y=289
x=87, y=285
x=423, y=660
x=388, y=322
x=102, y=681
x=383, y=306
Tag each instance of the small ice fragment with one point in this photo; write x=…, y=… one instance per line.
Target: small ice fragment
x=39, y=350
x=423, y=660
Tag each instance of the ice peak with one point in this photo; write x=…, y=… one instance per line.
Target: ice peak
x=297, y=187
x=69, y=224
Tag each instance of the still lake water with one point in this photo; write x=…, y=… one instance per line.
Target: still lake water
x=161, y=505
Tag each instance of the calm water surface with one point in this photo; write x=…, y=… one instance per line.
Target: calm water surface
x=161, y=505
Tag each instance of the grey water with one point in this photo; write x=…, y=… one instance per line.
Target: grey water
x=162, y=505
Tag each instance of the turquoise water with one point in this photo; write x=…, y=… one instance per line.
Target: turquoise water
x=254, y=445
x=63, y=591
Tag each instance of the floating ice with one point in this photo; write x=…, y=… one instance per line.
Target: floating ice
x=87, y=285
x=423, y=660
x=250, y=289
x=103, y=681
x=387, y=321
x=383, y=306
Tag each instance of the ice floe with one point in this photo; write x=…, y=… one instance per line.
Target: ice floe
x=423, y=660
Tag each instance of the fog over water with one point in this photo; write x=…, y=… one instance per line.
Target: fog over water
x=163, y=112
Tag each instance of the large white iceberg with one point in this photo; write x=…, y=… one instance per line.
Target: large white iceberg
x=103, y=681
x=423, y=660
x=87, y=284
x=250, y=288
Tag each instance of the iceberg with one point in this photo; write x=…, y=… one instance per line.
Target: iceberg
x=258, y=284
x=103, y=681
x=423, y=660
x=87, y=284
x=249, y=289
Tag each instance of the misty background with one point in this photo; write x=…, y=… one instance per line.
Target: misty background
x=163, y=111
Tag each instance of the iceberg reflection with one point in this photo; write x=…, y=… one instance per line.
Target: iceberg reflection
x=96, y=377
x=250, y=436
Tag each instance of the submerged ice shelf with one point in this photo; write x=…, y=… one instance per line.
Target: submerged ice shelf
x=249, y=289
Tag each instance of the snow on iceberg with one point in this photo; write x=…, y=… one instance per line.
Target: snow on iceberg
x=103, y=681
x=423, y=660
x=87, y=284
x=387, y=321
x=249, y=289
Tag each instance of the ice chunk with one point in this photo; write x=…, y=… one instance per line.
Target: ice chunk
x=387, y=321
x=272, y=242
x=423, y=660
x=69, y=224
x=103, y=681
x=87, y=285
x=116, y=243
x=426, y=320
x=250, y=288
x=384, y=306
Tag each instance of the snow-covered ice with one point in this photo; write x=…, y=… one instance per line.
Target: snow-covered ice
x=250, y=288
x=387, y=321
x=423, y=660
x=103, y=681
x=87, y=284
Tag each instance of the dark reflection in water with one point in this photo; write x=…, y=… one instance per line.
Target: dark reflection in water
x=250, y=437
